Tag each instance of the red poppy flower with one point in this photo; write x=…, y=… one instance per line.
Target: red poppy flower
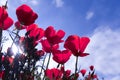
x=32, y=27
x=61, y=57
x=35, y=31
x=67, y=73
x=53, y=36
x=19, y=26
x=91, y=67
x=26, y=15
x=77, y=45
x=47, y=47
x=92, y=76
x=3, y=58
x=5, y=21
x=53, y=74
x=9, y=59
x=1, y=74
x=22, y=57
x=95, y=77
x=40, y=53
x=6, y=24
x=3, y=14
x=83, y=71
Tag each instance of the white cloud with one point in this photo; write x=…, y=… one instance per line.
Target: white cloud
x=104, y=49
x=23, y=0
x=2, y=2
x=116, y=78
x=34, y=2
x=89, y=15
x=58, y=3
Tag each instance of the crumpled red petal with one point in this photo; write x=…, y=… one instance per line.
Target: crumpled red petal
x=61, y=57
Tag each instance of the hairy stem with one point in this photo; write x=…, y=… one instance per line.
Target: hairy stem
x=42, y=65
x=76, y=64
x=47, y=64
x=48, y=61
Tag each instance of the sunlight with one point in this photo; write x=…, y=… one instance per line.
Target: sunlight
x=16, y=49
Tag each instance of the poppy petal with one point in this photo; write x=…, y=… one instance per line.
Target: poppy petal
x=25, y=15
x=8, y=22
x=71, y=43
x=50, y=32
x=60, y=34
x=19, y=26
x=46, y=46
x=83, y=54
x=61, y=57
x=3, y=11
x=83, y=43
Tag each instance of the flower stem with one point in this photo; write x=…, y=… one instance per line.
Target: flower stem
x=47, y=64
x=76, y=64
x=0, y=38
x=15, y=38
x=42, y=65
x=48, y=61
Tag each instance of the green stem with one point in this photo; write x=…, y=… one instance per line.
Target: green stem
x=47, y=64
x=0, y=38
x=42, y=65
x=76, y=64
x=15, y=37
x=48, y=61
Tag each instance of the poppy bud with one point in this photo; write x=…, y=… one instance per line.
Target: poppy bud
x=19, y=26
x=91, y=67
x=83, y=71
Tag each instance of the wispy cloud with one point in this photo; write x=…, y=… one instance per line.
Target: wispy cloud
x=104, y=49
x=34, y=2
x=58, y=3
x=104, y=55
x=2, y=2
x=116, y=78
x=89, y=15
x=23, y=0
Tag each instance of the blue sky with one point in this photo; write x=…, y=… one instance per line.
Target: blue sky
x=98, y=19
